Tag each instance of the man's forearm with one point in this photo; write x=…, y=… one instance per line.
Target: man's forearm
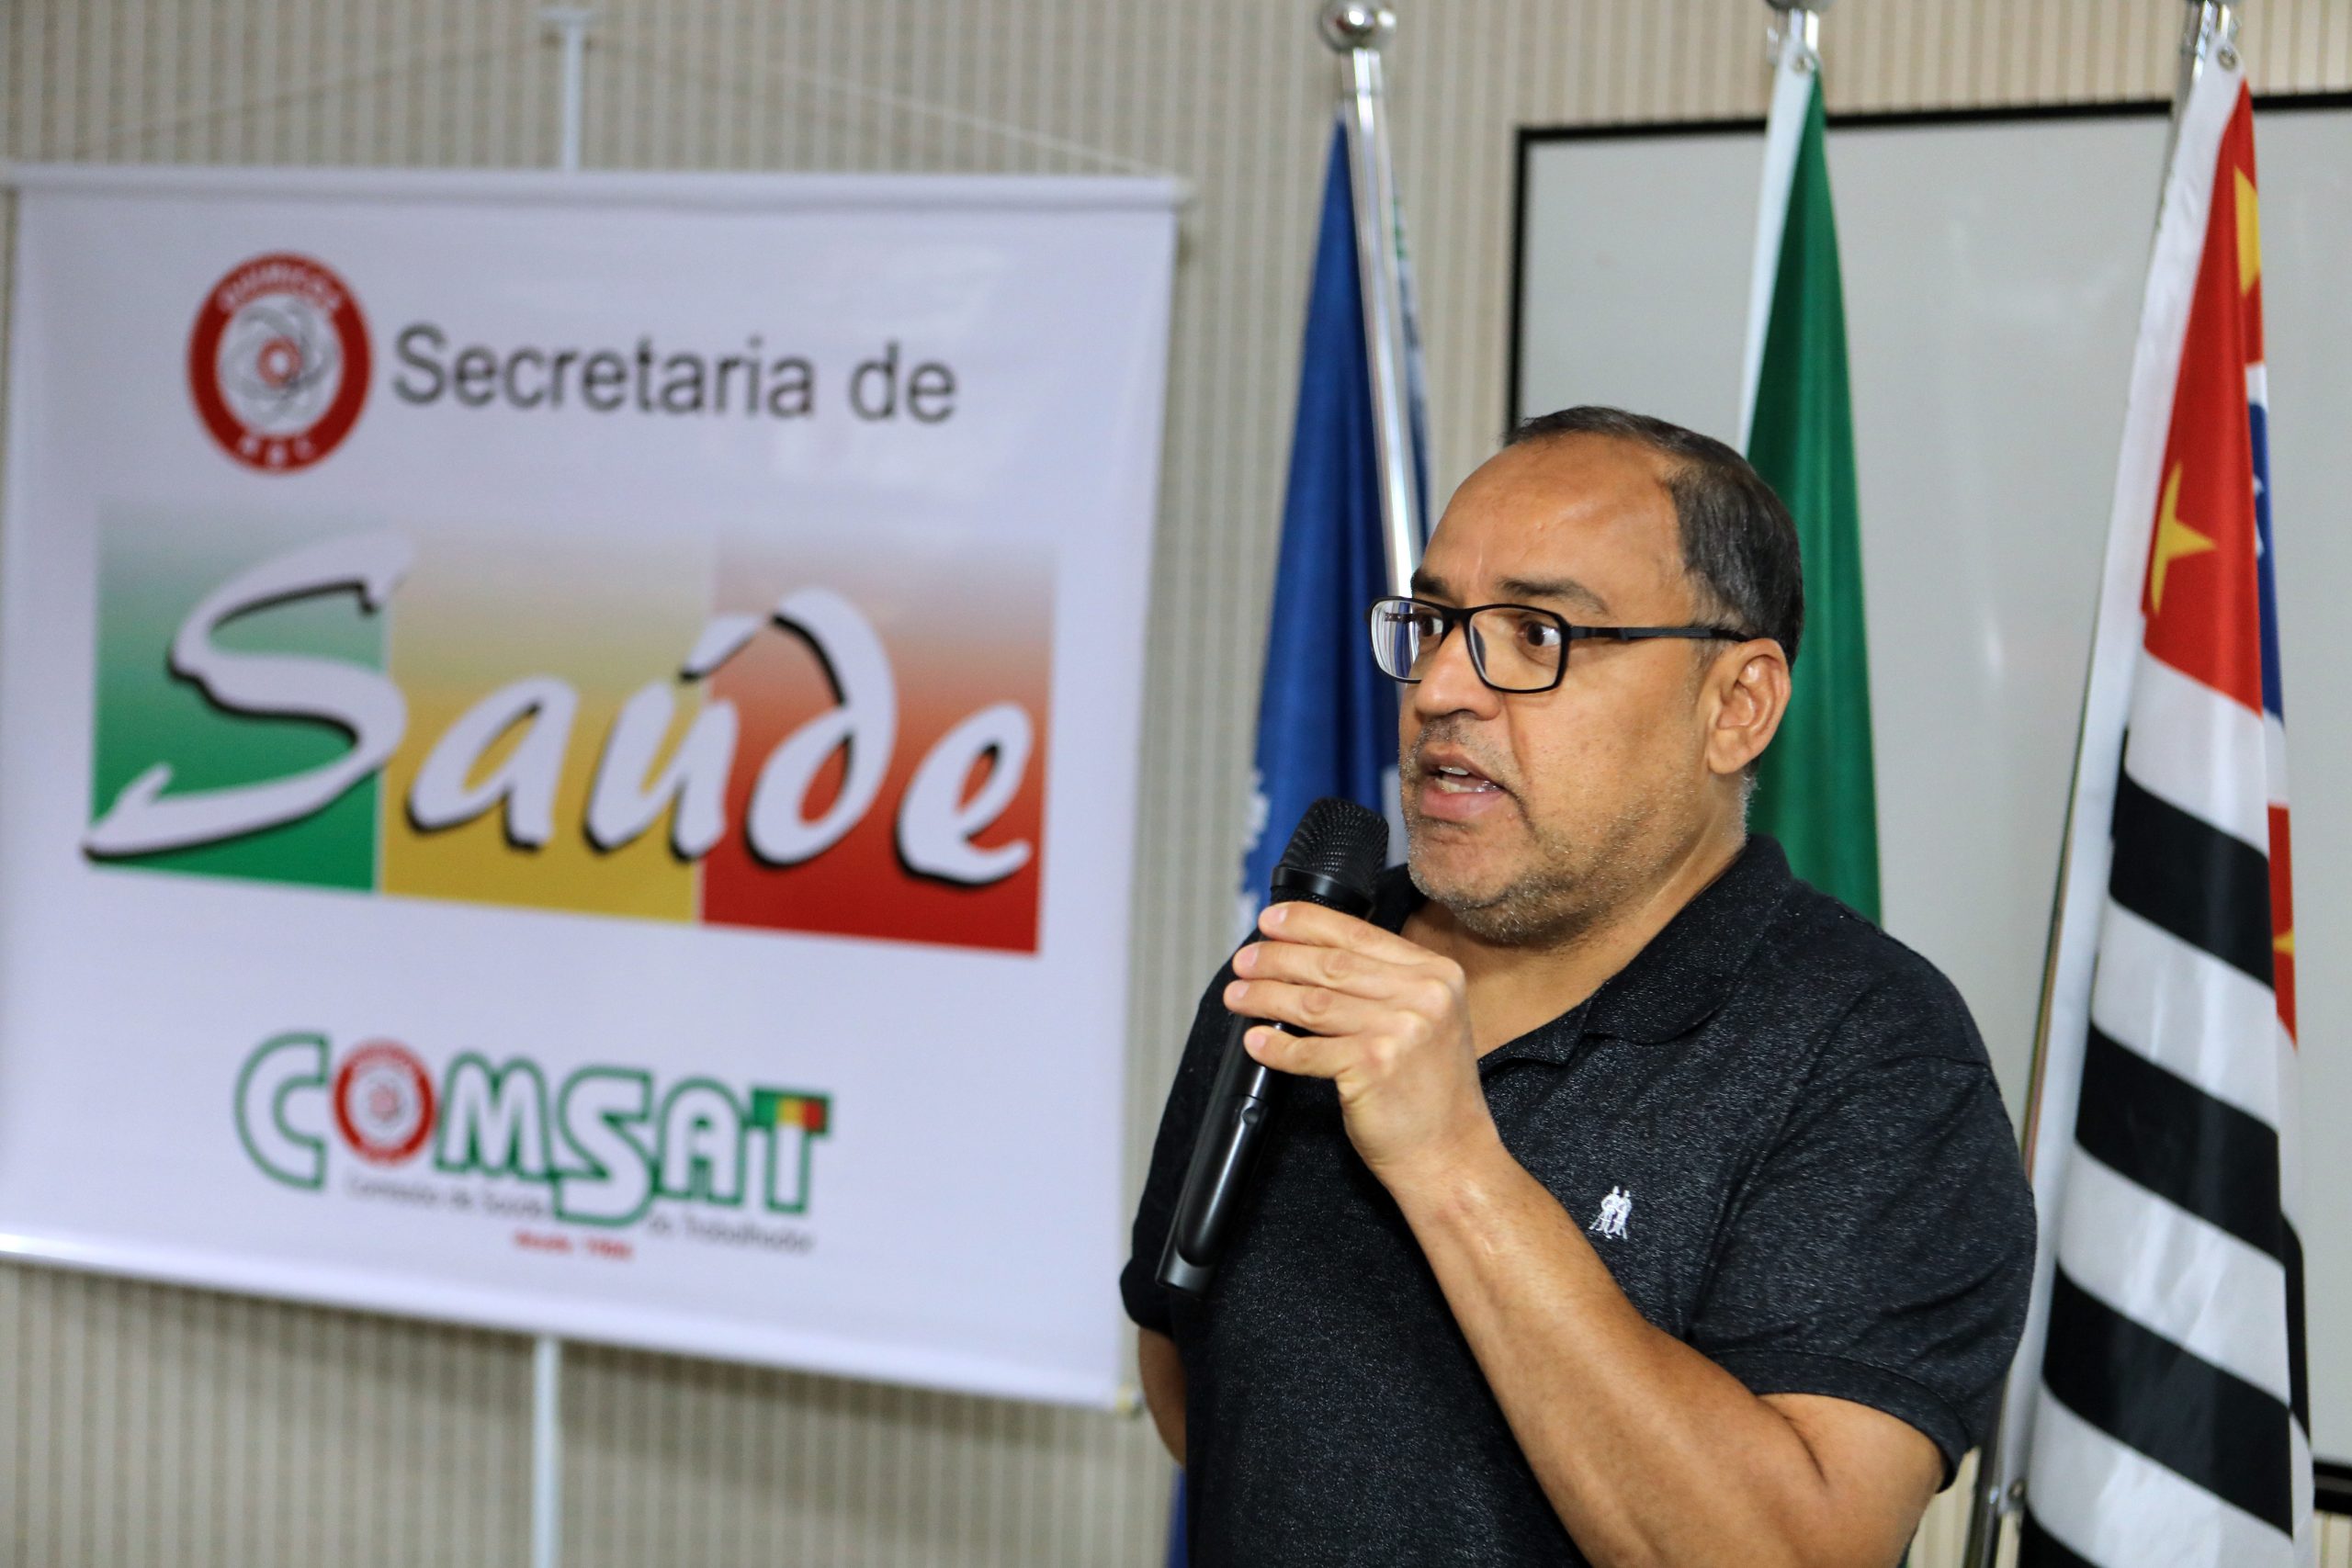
x=1649, y=1453
x=1162, y=1371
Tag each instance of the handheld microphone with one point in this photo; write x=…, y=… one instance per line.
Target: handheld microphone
x=1332, y=858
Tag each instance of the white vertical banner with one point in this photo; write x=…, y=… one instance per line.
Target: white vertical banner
x=567, y=750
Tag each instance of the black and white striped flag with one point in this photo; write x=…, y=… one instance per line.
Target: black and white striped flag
x=2158, y=1410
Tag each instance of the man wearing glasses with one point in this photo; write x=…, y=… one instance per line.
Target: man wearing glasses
x=1635, y=1204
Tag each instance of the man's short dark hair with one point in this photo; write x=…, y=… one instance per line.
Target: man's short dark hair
x=1739, y=546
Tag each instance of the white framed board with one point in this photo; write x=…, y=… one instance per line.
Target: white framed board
x=1993, y=264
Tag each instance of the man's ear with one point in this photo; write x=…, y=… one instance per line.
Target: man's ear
x=1746, y=694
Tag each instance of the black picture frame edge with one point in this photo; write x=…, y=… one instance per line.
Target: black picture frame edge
x=2331, y=1486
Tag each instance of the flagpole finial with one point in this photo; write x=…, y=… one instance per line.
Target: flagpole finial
x=1797, y=23
x=1348, y=24
x=2211, y=33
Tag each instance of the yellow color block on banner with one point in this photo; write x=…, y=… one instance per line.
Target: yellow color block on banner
x=512, y=657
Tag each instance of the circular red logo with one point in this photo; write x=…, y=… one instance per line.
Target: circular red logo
x=278, y=361
x=383, y=1102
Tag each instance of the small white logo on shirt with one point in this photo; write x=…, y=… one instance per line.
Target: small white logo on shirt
x=1614, y=1212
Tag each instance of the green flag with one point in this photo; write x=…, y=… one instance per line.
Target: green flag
x=1815, y=792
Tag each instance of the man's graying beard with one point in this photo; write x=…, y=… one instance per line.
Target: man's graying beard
x=1566, y=887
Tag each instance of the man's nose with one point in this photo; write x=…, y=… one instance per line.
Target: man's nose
x=1450, y=683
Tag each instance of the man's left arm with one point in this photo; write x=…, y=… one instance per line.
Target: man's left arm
x=1650, y=1452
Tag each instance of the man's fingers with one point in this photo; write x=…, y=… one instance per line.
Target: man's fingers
x=1316, y=1009
x=1318, y=927
x=1336, y=968
x=1310, y=1055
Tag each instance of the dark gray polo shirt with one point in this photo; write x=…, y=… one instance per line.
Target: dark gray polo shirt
x=1779, y=1129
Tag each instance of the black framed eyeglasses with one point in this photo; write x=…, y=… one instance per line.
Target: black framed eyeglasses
x=1514, y=648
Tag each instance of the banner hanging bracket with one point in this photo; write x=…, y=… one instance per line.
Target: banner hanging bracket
x=569, y=24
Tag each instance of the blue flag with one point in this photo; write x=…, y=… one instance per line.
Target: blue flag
x=1327, y=716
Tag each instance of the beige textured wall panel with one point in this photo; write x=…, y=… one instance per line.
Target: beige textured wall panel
x=140, y=1424
x=701, y=1464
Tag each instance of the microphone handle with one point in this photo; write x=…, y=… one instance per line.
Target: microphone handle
x=1239, y=1112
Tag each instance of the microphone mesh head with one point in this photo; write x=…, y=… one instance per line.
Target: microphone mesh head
x=1341, y=841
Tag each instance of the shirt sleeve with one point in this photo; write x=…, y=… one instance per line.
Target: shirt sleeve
x=1139, y=1288
x=1882, y=1251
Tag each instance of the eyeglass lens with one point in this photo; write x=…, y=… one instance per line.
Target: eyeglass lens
x=1514, y=649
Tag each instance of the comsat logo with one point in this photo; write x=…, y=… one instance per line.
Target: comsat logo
x=605, y=1142
x=277, y=362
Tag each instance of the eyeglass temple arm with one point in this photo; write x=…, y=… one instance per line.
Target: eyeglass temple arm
x=1637, y=634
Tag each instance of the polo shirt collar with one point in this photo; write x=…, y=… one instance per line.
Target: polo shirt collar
x=1678, y=980
x=1688, y=970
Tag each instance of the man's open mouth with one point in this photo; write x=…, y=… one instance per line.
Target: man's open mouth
x=1447, y=770
x=1460, y=781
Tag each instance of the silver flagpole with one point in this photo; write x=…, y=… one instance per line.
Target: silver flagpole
x=1791, y=41
x=1791, y=19
x=1357, y=32
x=2209, y=32
x=570, y=23
x=546, y=1451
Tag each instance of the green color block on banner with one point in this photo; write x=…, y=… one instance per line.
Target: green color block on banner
x=144, y=714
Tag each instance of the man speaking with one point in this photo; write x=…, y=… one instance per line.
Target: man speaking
x=1635, y=1204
